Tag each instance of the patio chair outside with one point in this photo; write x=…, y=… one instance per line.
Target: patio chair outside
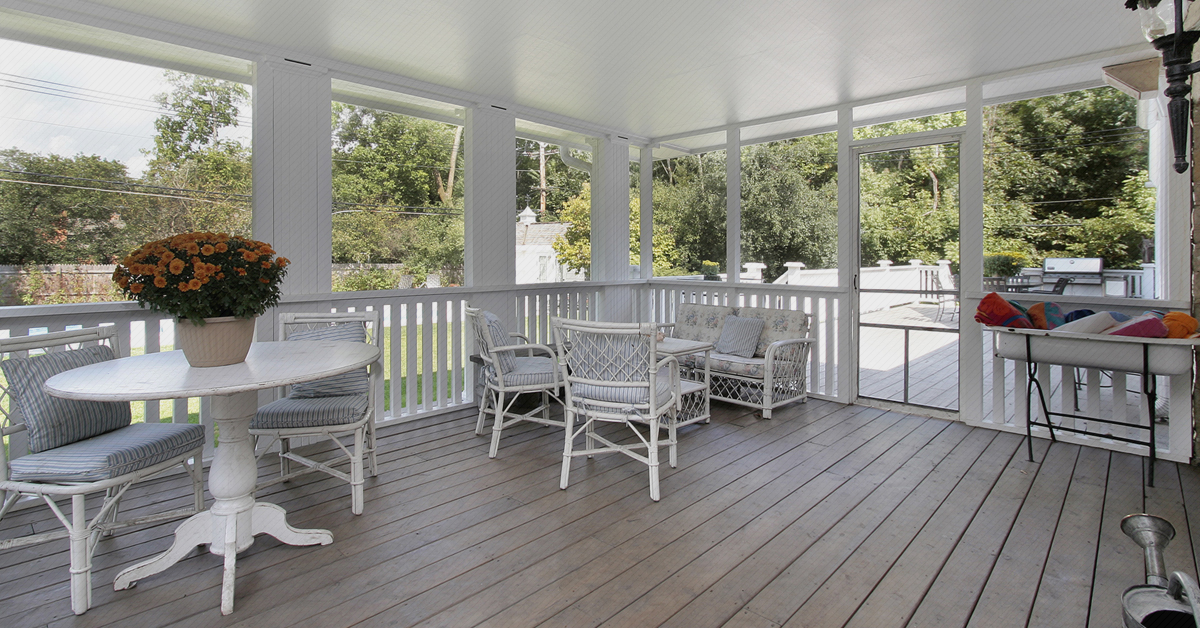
x=612, y=376
x=332, y=408
x=78, y=448
x=1059, y=287
x=945, y=301
x=506, y=376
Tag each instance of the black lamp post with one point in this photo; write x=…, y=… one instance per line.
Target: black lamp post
x=1164, y=27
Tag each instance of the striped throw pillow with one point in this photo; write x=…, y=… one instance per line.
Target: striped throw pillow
x=739, y=336
x=53, y=422
x=353, y=383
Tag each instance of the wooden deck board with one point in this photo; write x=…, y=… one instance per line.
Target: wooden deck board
x=827, y=515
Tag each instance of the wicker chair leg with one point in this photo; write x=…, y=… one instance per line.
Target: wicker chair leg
x=81, y=558
x=498, y=426
x=371, y=448
x=356, y=473
x=569, y=420
x=652, y=454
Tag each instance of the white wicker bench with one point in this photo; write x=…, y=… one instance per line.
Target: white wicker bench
x=774, y=376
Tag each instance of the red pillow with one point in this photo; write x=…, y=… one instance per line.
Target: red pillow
x=995, y=311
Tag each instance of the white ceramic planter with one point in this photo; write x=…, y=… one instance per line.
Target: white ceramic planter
x=221, y=341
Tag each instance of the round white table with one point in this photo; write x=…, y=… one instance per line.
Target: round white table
x=235, y=518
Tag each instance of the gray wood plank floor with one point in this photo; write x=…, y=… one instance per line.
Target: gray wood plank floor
x=827, y=515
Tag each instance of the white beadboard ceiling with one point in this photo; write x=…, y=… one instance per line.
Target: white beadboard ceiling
x=649, y=68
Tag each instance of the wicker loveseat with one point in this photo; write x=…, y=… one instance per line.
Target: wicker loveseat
x=775, y=375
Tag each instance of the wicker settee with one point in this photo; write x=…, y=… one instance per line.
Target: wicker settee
x=775, y=375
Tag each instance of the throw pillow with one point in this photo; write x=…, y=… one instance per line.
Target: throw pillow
x=53, y=422
x=1144, y=326
x=1179, y=324
x=1045, y=315
x=353, y=383
x=739, y=336
x=995, y=311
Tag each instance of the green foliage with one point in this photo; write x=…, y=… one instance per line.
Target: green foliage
x=710, y=269
x=367, y=279
x=36, y=287
x=49, y=223
x=563, y=183
x=689, y=203
x=909, y=204
x=1004, y=264
x=200, y=108
x=1117, y=234
x=574, y=248
x=203, y=275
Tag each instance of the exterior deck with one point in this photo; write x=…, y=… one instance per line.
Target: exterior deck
x=827, y=515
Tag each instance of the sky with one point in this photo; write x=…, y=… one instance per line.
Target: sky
x=67, y=103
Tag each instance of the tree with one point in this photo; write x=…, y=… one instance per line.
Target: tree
x=55, y=218
x=209, y=178
x=574, y=248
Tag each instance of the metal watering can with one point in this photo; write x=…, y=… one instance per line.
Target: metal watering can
x=1160, y=603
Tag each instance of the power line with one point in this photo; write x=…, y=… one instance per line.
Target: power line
x=144, y=185
x=91, y=189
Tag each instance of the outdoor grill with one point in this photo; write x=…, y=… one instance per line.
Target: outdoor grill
x=1084, y=270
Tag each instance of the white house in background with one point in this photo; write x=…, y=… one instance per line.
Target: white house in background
x=536, y=260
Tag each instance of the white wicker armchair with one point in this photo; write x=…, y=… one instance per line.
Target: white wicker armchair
x=613, y=376
x=507, y=375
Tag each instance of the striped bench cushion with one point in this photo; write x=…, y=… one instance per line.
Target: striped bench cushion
x=52, y=422
x=529, y=371
x=353, y=383
x=111, y=454
x=291, y=412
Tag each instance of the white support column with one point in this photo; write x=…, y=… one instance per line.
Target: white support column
x=646, y=192
x=848, y=263
x=1173, y=215
x=293, y=171
x=490, y=187
x=610, y=224
x=610, y=210
x=733, y=204
x=970, y=253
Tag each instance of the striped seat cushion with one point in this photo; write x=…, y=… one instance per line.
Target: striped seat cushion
x=633, y=395
x=52, y=422
x=353, y=383
x=111, y=454
x=292, y=412
x=529, y=371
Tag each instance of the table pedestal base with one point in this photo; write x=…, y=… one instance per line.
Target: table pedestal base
x=235, y=518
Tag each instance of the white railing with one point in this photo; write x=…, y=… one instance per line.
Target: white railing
x=656, y=303
x=426, y=345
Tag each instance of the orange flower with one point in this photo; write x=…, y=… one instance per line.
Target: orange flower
x=283, y=262
x=207, y=249
x=167, y=256
x=160, y=282
x=201, y=275
x=249, y=256
x=196, y=261
x=183, y=286
x=241, y=271
x=123, y=282
x=266, y=264
x=193, y=248
x=264, y=280
x=220, y=275
x=222, y=247
x=176, y=266
x=136, y=288
x=194, y=284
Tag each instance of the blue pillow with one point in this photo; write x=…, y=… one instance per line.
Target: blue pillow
x=353, y=383
x=53, y=422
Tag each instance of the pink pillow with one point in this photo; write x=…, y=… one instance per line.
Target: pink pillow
x=1144, y=326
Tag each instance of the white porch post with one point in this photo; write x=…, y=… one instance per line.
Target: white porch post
x=610, y=224
x=733, y=204
x=489, y=189
x=970, y=254
x=292, y=168
x=646, y=193
x=847, y=310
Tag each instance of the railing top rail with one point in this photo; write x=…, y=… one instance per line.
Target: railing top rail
x=713, y=286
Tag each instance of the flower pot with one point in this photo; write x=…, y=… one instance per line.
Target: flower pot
x=220, y=341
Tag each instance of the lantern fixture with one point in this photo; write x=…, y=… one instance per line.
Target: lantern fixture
x=1165, y=24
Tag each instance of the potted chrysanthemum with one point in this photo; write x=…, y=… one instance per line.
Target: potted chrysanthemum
x=214, y=284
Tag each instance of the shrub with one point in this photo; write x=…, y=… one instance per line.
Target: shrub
x=1004, y=264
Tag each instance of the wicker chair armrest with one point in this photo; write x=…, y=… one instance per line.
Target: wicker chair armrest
x=774, y=347
x=531, y=348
